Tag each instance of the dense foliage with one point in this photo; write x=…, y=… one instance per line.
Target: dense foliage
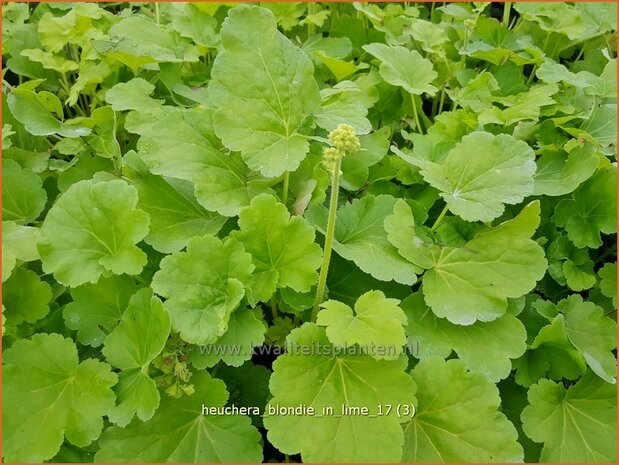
x=176, y=176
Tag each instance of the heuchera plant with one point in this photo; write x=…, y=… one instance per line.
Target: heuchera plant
x=422, y=194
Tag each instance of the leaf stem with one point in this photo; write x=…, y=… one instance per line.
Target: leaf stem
x=311, y=30
x=326, y=258
x=118, y=165
x=440, y=218
x=274, y=307
x=286, y=187
x=506, y=12
x=416, y=115
x=157, y=18
x=442, y=102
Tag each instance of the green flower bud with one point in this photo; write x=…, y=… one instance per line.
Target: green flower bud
x=344, y=139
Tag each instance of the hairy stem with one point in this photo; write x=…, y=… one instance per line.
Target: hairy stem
x=326, y=258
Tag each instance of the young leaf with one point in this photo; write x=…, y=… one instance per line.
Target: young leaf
x=23, y=198
x=132, y=346
x=92, y=229
x=203, y=286
x=559, y=174
x=404, y=68
x=245, y=331
x=19, y=243
x=591, y=210
x=25, y=297
x=593, y=334
x=283, y=248
x=551, y=355
x=377, y=325
x=36, y=112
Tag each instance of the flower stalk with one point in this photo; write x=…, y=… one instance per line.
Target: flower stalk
x=344, y=141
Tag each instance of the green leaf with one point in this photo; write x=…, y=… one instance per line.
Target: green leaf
x=355, y=168
x=203, y=286
x=591, y=210
x=473, y=282
x=133, y=95
x=594, y=334
x=175, y=214
x=103, y=141
x=576, y=425
x=248, y=385
x=346, y=283
x=550, y=355
x=264, y=91
x=477, y=93
x=179, y=432
x=245, y=331
x=92, y=230
x=132, y=346
x=343, y=107
x=361, y=237
x=559, y=173
x=19, y=243
x=341, y=69
x=570, y=265
x=178, y=146
x=23, y=197
x=552, y=72
x=608, y=281
x=404, y=68
x=191, y=22
x=288, y=14
x=486, y=348
x=25, y=297
x=97, y=308
x=74, y=27
x=65, y=398
x=324, y=379
x=282, y=248
x=457, y=418
x=520, y=107
x=50, y=61
x=137, y=36
x=481, y=174
x=90, y=74
x=377, y=325
x=34, y=110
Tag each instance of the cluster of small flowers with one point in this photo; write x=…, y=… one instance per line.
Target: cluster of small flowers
x=344, y=141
